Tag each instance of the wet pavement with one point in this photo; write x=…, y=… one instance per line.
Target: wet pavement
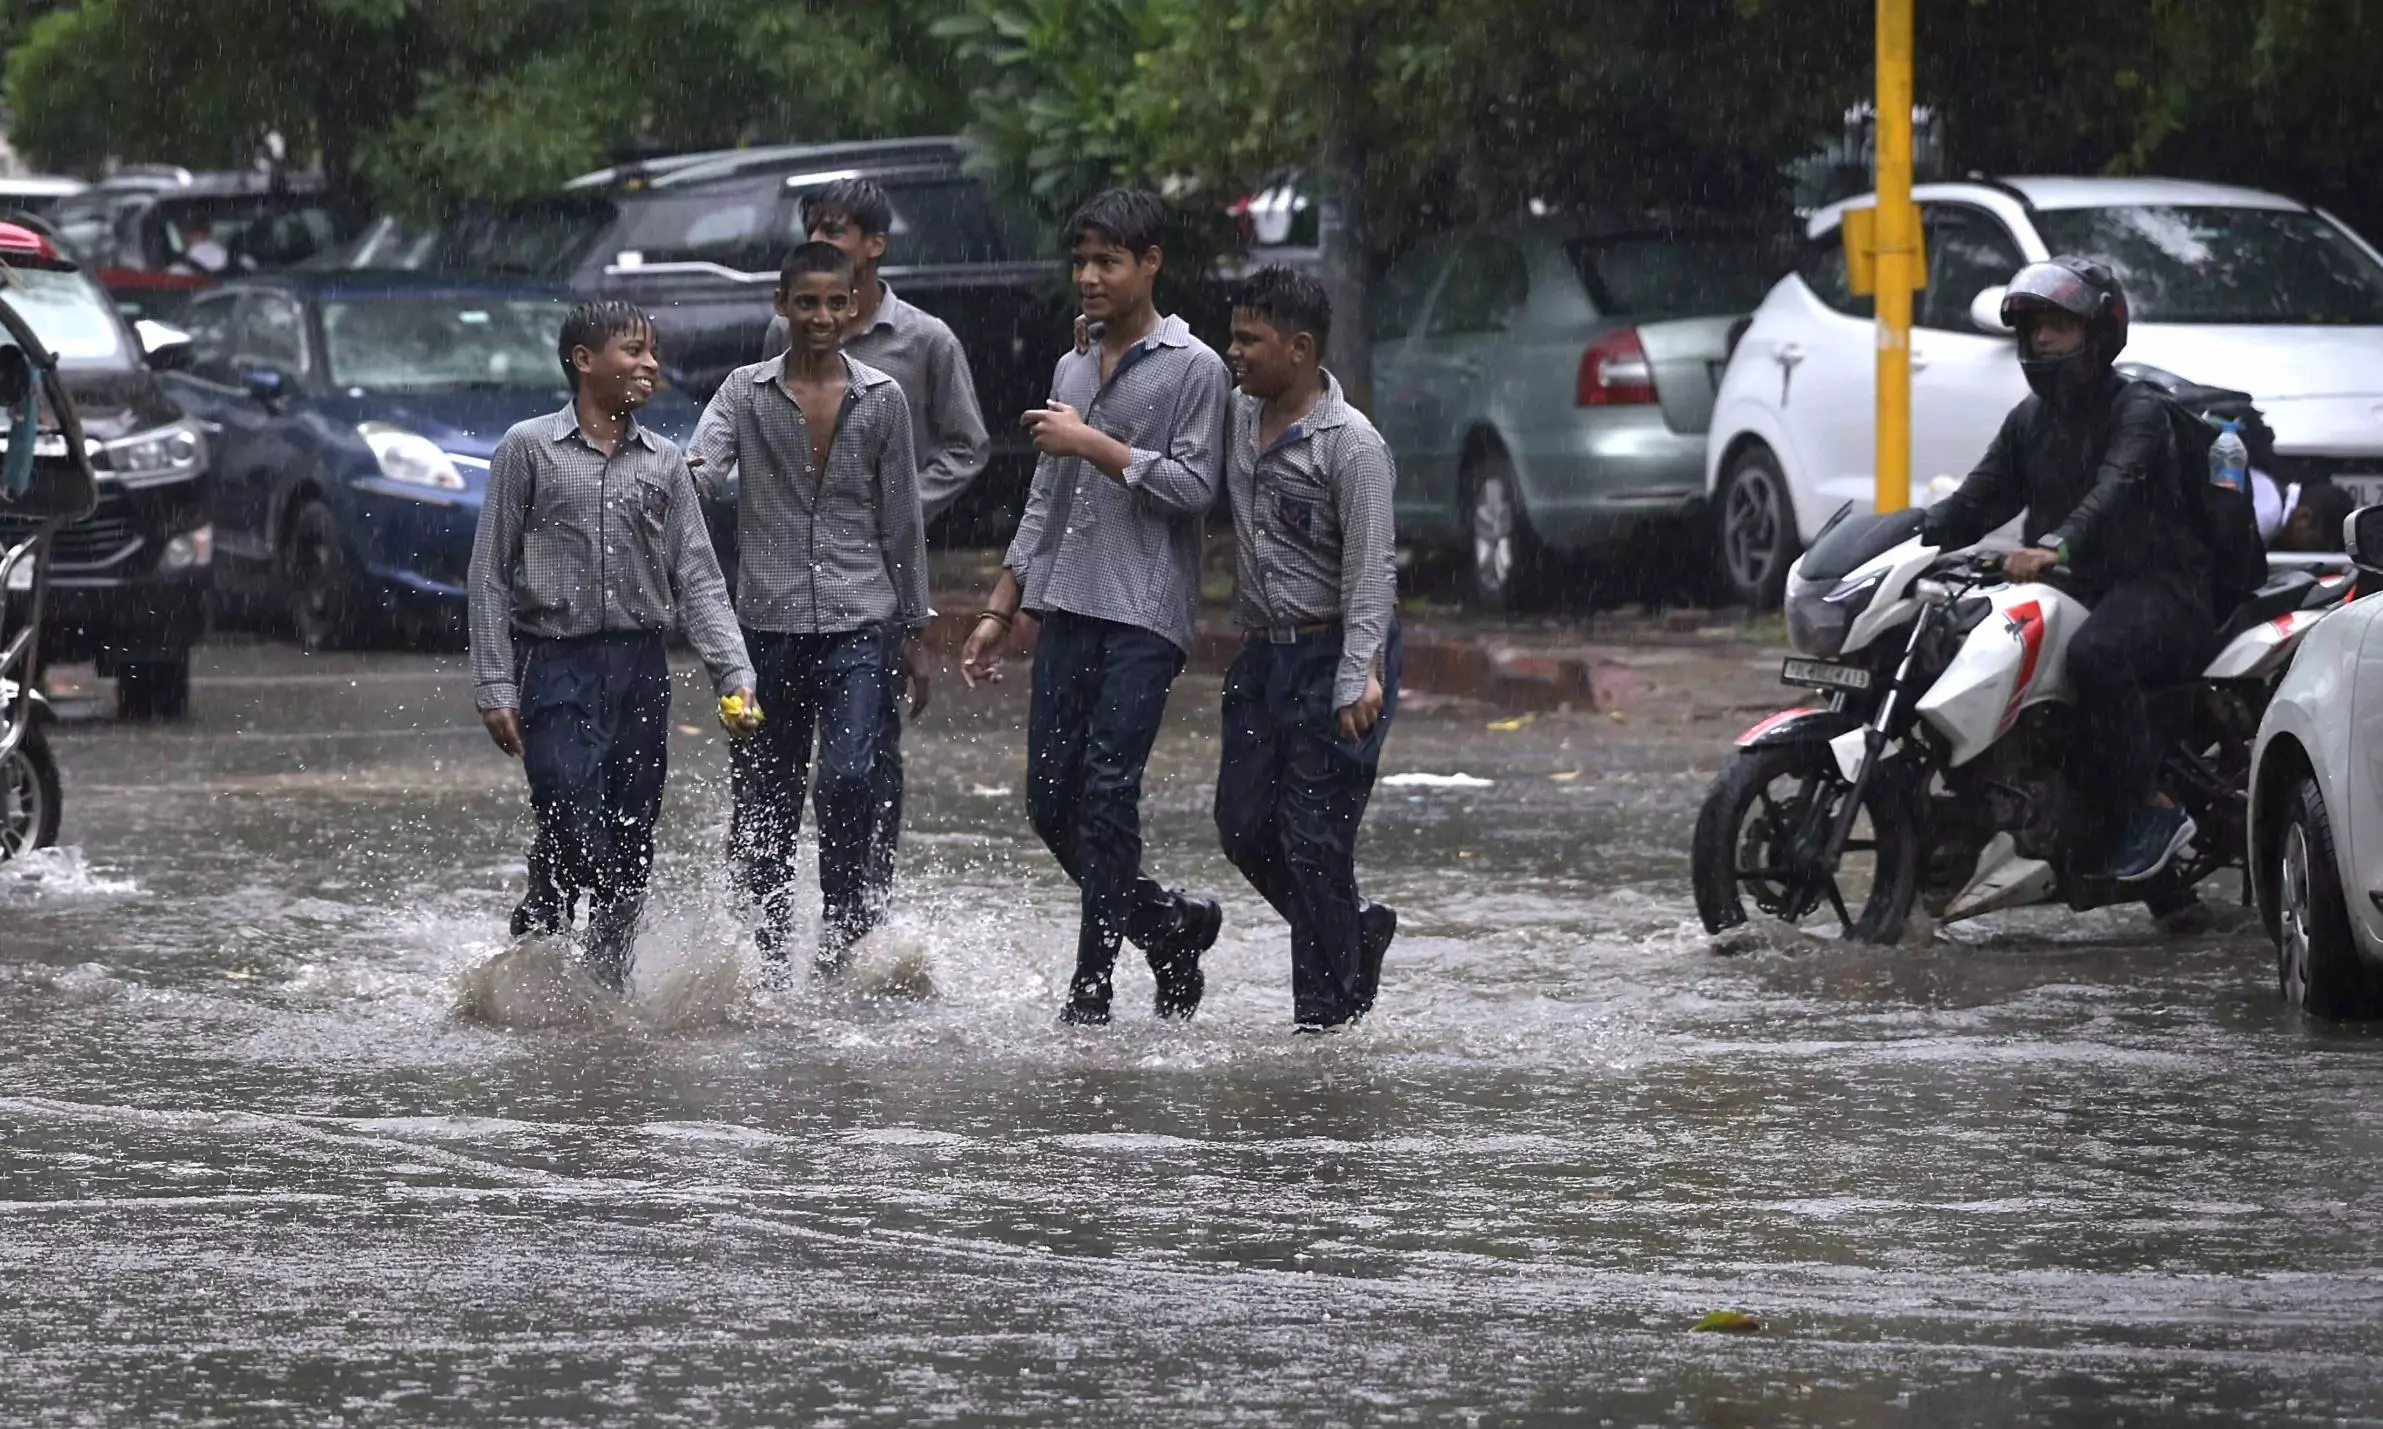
x=282, y=1141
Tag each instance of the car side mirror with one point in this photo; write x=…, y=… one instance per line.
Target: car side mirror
x=166, y=349
x=1985, y=312
x=2362, y=537
x=267, y=384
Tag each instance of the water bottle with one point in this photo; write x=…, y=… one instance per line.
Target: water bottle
x=2230, y=460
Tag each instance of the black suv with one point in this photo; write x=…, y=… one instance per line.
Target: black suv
x=697, y=240
x=130, y=583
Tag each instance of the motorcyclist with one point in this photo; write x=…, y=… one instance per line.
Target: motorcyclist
x=2091, y=459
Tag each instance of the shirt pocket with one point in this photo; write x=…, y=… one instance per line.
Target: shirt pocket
x=650, y=500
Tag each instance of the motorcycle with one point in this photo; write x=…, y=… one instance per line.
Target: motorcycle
x=46, y=480
x=1934, y=769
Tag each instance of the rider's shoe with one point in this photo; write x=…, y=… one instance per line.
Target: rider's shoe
x=2153, y=835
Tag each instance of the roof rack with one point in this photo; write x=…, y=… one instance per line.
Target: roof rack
x=863, y=154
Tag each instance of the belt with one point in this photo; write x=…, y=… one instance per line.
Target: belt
x=1286, y=634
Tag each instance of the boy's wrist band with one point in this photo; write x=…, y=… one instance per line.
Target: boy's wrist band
x=989, y=614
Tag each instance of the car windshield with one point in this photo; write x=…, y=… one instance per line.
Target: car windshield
x=2226, y=265
x=418, y=340
x=69, y=313
x=243, y=232
x=1641, y=274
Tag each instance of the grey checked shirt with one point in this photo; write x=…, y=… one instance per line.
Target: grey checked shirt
x=572, y=542
x=1129, y=553
x=1312, y=529
x=920, y=353
x=818, y=554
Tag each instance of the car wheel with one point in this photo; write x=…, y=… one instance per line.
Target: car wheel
x=324, y=611
x=1755, y=529
x=28, y=797
x=153, y=689
x=1502, y=555
x=2318, y=967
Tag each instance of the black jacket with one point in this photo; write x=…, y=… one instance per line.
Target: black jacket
x=2101, y=474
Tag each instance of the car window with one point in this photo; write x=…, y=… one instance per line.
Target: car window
x=1969, y=251
x=1641, y=274
x=1486, y=287
x=434, y=340
x=2211, y=264
x=936, y=221
x=1822, y=267
x=87, y=231
x=1400, y=296
x=208, y=320
x=270, y=332
x=747, y=228
x=239, y=233
x=70, y=314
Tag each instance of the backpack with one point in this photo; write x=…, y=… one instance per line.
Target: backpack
x=2228, y=521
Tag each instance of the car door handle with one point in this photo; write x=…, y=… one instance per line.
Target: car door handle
x=1919, y=359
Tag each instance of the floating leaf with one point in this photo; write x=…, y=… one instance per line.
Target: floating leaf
x=1735, y=1322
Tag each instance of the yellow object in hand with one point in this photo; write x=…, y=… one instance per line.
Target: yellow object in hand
x=734, y=708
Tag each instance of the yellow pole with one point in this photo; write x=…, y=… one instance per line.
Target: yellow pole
x=1898, y=242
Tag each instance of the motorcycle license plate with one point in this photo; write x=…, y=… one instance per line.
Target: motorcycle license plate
x=1823, y=675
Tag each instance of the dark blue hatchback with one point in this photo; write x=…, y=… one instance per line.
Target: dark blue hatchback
x=351, y=417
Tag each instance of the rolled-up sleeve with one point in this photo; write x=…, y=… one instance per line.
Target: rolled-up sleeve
x=1363, y=481
x=953, y=444
x=1182, y=479
x=901, y=523
x=701, y=595
x=711, y=453
x=496, y=553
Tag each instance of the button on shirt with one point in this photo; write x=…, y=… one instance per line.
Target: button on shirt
x=1312, y=529
x=920, y=353
x=818, y=554
x=1129, y=552
x=573, y=542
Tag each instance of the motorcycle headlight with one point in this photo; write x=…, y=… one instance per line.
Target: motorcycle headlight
x=161, y=454
x=1819, y=613
x=409, y=458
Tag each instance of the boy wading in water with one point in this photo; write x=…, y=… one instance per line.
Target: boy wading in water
x=920, y=353
x=589, y=549
x=1308, y=701
x=831, y=593
x=1107, y=554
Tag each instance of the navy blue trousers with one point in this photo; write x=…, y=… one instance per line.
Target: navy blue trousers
x=595, y=737
x=1100, y=694
x=1290, y=794
x=832, y=690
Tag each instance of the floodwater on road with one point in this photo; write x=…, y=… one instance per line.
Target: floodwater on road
x=279, y=1146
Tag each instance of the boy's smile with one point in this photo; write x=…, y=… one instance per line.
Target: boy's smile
x=625, y=373
x=816, y=308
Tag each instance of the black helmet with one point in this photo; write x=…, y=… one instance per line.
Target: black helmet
x=2088, y=291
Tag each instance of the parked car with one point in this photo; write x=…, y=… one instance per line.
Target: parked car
x=353, y=417
x=37, y=193
x=2316, y=807
x=2234, y=287
x=156, y=234
x=128, y=584
x=1545, y=385
x=698, y=240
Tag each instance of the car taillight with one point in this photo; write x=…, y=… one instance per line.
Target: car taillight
x=1614, y=372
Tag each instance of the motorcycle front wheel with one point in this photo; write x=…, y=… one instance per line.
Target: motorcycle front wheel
x=1764, y=814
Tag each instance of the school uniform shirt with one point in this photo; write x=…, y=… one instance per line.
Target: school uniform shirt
x=1312, y=529
x=922, y=355
x=1129, y=552
x=819, y=553
x=572, y=542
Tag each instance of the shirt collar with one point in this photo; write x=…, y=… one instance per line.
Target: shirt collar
x=862, y=376
x=1331, y=410
x=565, y=424
x=893, y=315
x=1172, y=331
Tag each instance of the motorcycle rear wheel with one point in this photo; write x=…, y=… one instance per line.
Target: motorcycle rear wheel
x=1745, y=837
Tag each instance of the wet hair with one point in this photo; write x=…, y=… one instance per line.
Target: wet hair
x=1292, y=302
x=809, y=258
x=859, y=201
x=593, y=325
x=1133, y=219
x=2327, y=507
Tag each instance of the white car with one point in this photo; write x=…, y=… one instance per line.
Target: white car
x=2316, y=805
x=2227, y=287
